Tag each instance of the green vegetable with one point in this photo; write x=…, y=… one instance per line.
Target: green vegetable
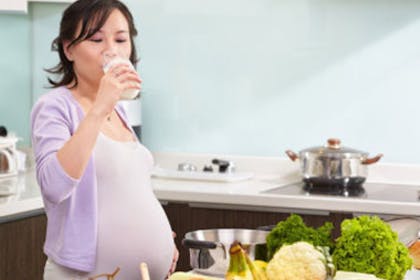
x=293, y=229
x=368, y=245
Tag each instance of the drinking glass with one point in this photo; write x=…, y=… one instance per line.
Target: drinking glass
x=111, y=58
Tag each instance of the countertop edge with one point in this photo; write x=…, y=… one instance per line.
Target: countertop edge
x=21, y=209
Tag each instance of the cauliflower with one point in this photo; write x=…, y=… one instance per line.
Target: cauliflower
x=298, y=261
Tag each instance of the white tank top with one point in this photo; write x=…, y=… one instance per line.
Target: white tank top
x=132, y=226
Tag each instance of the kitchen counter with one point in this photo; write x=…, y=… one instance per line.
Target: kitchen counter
x=20, y=197
x=269, y=173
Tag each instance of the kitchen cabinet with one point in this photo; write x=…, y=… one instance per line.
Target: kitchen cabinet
x=13, y=6
x=52, y=1
x=21, y=254
x=184, y=218
x=21, y=6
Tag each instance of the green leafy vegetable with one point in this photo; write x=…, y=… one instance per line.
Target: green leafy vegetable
x=368, y=245
x=293, y=229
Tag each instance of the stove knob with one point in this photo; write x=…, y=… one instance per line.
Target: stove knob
x=208, y=168
x=185, y=166
x=224, y=165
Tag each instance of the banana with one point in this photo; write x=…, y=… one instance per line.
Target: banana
x=257, y=272
x=238, y=265
x=241, y=267
x=260, y=270
x=260, y=264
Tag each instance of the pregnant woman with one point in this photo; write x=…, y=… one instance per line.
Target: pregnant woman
x=93, y=172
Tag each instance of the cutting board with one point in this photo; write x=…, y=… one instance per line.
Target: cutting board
x=200, y=175
x=191, y=276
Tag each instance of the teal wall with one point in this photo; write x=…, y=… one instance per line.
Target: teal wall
x=45, y=28
x=262, y=76
x=25, y=49
x=15, y=73
x=252, y=77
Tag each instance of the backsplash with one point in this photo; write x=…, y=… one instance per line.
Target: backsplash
x=256, y=77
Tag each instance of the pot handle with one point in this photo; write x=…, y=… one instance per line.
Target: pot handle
x=292, y=155
x=372, y=160
x=198, y=244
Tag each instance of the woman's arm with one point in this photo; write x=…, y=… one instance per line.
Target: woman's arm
x=61, y=155
x=52, y=120
x=75, y=153
x=83, y=140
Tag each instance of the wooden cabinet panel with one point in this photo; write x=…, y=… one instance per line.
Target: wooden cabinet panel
x=21, y=254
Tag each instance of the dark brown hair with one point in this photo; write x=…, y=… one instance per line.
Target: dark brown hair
x=92, y=15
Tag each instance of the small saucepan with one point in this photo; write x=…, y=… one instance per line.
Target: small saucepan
x=333, y=165
x=209, y=248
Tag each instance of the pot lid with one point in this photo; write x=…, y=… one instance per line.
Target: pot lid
x=333, y=148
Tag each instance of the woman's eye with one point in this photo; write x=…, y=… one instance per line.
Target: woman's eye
x=121, y=40
x=96, y=40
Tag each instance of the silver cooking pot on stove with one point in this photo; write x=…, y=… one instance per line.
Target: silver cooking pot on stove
x=333, y=165
x=209, y=249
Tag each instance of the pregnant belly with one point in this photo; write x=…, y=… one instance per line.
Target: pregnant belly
x=133, y=232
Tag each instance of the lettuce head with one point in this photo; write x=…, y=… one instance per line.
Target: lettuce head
x=368, y=245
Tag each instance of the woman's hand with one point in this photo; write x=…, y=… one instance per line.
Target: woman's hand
x=114, y=82
x=174, y=258
x=174, y=261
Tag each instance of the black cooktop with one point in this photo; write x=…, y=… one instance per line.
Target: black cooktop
x=372, y=191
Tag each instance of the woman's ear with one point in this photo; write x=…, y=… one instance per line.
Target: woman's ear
x=68, y=50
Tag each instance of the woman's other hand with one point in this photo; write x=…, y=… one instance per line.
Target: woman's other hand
x=174, y=258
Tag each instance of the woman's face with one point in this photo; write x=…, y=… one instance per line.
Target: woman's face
x=87, y=55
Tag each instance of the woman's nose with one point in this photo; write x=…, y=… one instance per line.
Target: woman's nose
x=110, y=53
x=110, y=46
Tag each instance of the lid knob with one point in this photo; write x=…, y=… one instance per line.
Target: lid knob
x=333, y=143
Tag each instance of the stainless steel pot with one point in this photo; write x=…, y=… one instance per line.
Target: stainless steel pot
x=209, y=249
x=333, y=165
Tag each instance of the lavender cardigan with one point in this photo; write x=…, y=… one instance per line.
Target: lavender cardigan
x=70, y=204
